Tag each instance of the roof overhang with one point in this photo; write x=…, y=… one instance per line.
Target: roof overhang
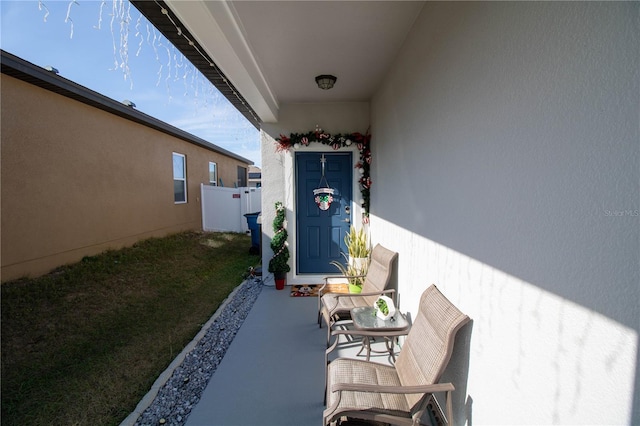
x=220, y=44
x=263, y=54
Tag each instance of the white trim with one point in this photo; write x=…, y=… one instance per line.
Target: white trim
x=215, y=181
x=184, y=171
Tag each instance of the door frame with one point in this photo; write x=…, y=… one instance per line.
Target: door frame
x=290, y=204
x=336, y=215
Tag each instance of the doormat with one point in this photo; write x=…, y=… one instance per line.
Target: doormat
x=305, y=290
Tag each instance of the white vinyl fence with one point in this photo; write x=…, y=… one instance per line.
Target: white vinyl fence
x=223, y=209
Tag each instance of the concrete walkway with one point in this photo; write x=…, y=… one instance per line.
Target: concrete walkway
x=273, y=372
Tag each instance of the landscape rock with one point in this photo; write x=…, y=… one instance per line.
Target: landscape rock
x=175, y=400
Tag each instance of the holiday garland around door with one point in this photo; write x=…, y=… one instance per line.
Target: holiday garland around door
x=337, y=141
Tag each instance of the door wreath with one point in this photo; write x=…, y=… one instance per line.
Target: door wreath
x=323, y=195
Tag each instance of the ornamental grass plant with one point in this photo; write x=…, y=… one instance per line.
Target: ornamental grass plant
x=356, y=259
x=355, y=274
x=83, y=344
x=357, y=243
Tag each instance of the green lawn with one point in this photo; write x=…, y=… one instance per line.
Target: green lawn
x=83, y=344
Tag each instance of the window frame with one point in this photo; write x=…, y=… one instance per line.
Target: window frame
x=242, y=181
x=215, y=171
x=183, y=179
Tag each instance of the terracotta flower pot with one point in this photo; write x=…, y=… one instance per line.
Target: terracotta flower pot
x=281, y=279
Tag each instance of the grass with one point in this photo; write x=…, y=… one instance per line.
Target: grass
x=83, y=344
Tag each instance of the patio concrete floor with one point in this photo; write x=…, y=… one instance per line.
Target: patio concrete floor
x=273, y=373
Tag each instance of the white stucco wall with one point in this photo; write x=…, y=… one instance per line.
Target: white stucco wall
x=278, y=170
x=506, y=171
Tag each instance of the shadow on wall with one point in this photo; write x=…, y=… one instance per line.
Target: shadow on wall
x=457, y=372
x=495, y=182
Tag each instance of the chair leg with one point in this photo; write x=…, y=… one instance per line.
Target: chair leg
x=326, y=374
x=449, y=405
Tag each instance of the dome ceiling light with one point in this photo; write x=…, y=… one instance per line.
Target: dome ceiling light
x=326, y=81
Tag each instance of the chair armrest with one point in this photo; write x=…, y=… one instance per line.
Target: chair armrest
x=354, y=387
x=323, y=286
x=340, y=296
x=370, y=333
x=424, y=389
x=342, y=276
x=374, y=293
x=326, y=281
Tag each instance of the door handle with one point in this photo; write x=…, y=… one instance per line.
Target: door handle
x=348, y=220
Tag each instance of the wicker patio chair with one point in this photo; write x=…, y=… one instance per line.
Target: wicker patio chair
x=400, y=394
x=331, y=306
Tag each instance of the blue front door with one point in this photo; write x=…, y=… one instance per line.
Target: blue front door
x=320, y=233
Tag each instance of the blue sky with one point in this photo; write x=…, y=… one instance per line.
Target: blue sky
x=134, y=61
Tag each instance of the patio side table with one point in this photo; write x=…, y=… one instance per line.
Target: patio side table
x=365, y=320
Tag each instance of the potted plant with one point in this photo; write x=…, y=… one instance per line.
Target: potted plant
x=278, y=265
x=357, y=259
x=358, y=247
x=354, y=274
x=384, y=307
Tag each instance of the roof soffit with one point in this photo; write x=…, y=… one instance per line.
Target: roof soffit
x=216, y=27
x=270, y=51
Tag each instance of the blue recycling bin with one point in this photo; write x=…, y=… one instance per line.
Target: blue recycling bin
x=256, y=231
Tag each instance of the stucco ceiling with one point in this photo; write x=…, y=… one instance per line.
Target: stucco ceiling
x=272, y=50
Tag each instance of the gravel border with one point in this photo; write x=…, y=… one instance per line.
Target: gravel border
x=180, y=386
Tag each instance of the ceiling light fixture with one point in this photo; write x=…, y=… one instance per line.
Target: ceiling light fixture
x=325, y=81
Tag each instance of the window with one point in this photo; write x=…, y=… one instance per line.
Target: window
x=179, y=178
x=213, y=174
x=242, y=177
